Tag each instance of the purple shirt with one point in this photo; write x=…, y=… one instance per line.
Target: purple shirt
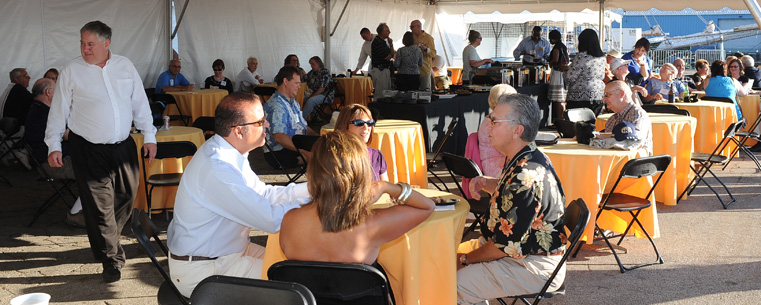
x=378, y=163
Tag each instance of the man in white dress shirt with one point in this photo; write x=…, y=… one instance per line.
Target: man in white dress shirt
x=99, y=96
x=366, y=48
x=248, y=78
x=220, y=199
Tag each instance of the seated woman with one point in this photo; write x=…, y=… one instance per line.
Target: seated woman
x=701, y=74
x=356, y=119
x=317, y=81
x=736, y=71
x=218, y=80
x=408, y=59
x=338, y=225
x=492, y=161
x=721, y=85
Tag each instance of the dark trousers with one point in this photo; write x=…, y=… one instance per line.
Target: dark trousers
x=286, y=157
x=107, y=176
x=407, y=82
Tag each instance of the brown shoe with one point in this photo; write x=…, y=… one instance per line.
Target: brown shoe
x=75, y=220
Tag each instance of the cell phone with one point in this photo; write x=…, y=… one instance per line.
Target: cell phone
x=444, y=201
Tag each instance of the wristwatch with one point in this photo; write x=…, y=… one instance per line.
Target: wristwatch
x=464, y=260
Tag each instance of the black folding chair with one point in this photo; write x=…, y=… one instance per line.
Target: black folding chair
x=264, y=92
x=708, y=160
x=717, y=99
x=576, y=218
x=336, y=283
x=8, y=139
x=279, y=165
x=205, y=123
x=323, y=112
x=665, y=108
x=740, y=138
x=144, y=230
x=634, y=169
x=169, y=99
x=220, y=289
x=59, y=185
x=461, y=166
x=432, y=162
x=165, y=150
x=157, y=112
x=580, y=115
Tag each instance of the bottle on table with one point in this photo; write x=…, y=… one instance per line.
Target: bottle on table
x=671, y=94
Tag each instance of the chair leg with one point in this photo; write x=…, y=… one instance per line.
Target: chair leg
x=752, y=157
x=618, y=260
x=148, y=198
x=725, y=188
x=440, y=180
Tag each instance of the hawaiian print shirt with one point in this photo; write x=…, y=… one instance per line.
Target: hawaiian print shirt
x=285, y=117
x=320, y=79
x=526, y=214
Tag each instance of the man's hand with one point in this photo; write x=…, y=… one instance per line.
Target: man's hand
x=354, y=72
x=476, y=184
x=656, y=97
x=150, y=151
x=55, y=159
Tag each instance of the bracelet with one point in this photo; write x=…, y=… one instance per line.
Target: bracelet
x=404, y=194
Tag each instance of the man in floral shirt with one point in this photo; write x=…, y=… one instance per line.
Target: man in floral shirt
x=524, y=238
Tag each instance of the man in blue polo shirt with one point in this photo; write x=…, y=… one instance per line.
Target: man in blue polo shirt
x=172, y=80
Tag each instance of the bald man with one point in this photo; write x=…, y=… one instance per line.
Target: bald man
x=618, y=98
x=427, y=47
x=172, y=80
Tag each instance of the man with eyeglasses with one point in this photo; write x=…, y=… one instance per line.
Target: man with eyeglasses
x=618, y=98
x=172, y=80
x=220, y=199
x=381, y=56
x=425, y=42
x=17, y=99
x=658, y=88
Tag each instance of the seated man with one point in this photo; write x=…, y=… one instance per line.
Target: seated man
x=618, y=98
x=686, y=80
x=17, y=99
x=658, y=89
x=751, y=71
x=286, y=119
x=523, y=237
x=220, y=199
x=172, y=80
x=34, y=135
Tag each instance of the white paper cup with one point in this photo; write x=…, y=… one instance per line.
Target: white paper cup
x=38, y=298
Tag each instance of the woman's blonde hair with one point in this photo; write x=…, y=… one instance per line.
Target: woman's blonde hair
x=498, y=91
x=340, y=179
x=350, y=113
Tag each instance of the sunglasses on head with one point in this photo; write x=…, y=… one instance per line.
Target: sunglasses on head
x=360, y=123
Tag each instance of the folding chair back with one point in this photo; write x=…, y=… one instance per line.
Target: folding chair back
x=9, y=127
x=644, y=167
x=165, y=150
x=157, y=112
x=205, y=123
x=219, y=289
x=576, y=218
x=169, y=99
x=279, y=165
x=461, y=166
x=144, y=229
x=336, y=283
x=717, y=99
x=665, y=108
x=303, y=142
x=59, y=185
x=580, y=115
x=149, y=93
x=264, y=92
x=740, y=138
x=432, y=162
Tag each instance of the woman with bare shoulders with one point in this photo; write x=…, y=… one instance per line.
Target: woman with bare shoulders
x=339, y=225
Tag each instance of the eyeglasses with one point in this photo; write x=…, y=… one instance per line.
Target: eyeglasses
x=479, y=38
x=258, y=123
x=178, y=67
x=360, y=123
x=494, y=122
x=218, y=69
x=608, y=94
x=734, y=67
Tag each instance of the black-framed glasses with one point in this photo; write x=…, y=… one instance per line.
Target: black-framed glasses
x=494, y=121
x=218, y=69
x=258, y=123
x=360, y=123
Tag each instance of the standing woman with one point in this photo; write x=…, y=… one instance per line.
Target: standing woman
x=721, y=85
x=218, y=80
x=558, y=63
x=584, y=77
x=408, y=59
x=470, y=58
x=641, y=65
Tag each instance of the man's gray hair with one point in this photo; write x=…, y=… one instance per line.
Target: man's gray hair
x=525, y=112
x=670, y=67
x=100, y=29
x=747, y=61
x=16, y=72
x=40, y=86
x=380, y=27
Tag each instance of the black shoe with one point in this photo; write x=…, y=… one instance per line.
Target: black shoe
x=111, y=274
x=756, y=148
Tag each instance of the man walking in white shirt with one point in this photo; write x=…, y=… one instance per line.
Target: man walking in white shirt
x=220, y=199
x=99, y=96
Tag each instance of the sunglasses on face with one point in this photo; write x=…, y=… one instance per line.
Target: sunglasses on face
x=218, y=69
x=360, y=123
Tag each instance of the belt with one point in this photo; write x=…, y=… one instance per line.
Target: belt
x=561, y=252
x=191, y=258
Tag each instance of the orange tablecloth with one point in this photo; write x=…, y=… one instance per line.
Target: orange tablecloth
x=589, y=173
x=198, y=102
x=750, y=106
x=421, y=263
x=299, y=95
x=672, y=135
x=356, y=89
x=456, y=75
x=401, y=143
x=713, y=119
x=163, y=197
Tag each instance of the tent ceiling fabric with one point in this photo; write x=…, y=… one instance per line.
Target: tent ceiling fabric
x=543, y=6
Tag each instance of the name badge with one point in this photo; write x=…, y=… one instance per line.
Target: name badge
x=223, y=83
x=171, y=82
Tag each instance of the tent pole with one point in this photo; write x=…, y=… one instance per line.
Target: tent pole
x=602, y=24
x=179, y=18
x=755, y=10
x=327, y=35
x=168, y=29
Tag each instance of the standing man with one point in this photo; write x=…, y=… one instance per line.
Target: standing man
x=428, y=48
x=381, y=56
x=367, y=47
x=99, y=96
x=17, y=99
x=172, y=80
x=534, y=49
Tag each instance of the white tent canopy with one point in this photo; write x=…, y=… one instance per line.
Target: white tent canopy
x=540, y=6
x=585, y=16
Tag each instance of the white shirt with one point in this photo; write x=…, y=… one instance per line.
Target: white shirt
x=220, y=199
x=367, y=48
x=99, y=104
x=247, y=80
